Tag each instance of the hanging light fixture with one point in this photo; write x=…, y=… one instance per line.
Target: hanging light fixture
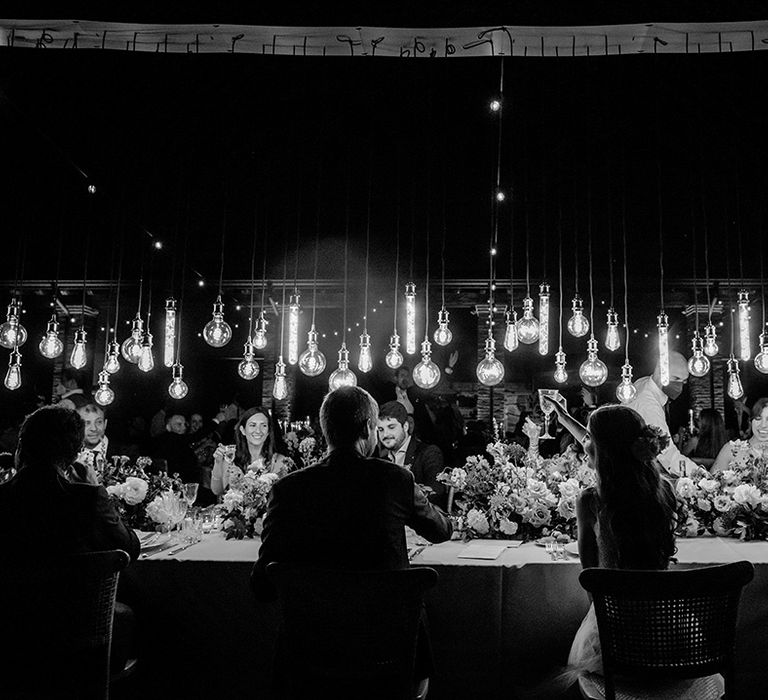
x=112, y=360
x=744, y=340
x=131, y=347
x=735, y=389
x=528, y=326
x=561, y=374
x=663, y=328
x=170, y=332
x=104, y=395
x=710, y=340
x=593, y=371
x=426, y=374
x=698, y=364
x=365, y=363
x=248, y=368
x=443, y=334
x=79, y=357
x=410, y=318
x=612, y=339
x=293, y=329
x=178, y=388
x=490, y=371
x=217, y=332
x=543, y=318
x=626, y=391
x=51, y=345
x=12, y=333
x=146, y=361
x=312, y=361
x=280, y=387
x=761, y=359
x=342, y=375
x=394, y=357
x=13, y=375
x=260, y=334
x=578, y=325
x=511, y=341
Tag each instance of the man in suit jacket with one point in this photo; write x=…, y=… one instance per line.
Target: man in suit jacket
x=397, y=444
x=414, y=399
x=350, y=498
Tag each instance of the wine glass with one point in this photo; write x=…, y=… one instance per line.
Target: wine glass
x=176, y=510
x=189, y=492
x=548, y=409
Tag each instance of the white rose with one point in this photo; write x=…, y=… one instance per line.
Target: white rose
x=569, y=489
x=723, y=503
x=134, y=490
x=746, y=494
x=537, y=489
x=708, y=485
x=730, y=476
x=538, y=515
x=508, y=527
x=477, y=521
x=685, y=487
x=115, y=490
x=704, y=505
x=567, y=508
x=233, y=499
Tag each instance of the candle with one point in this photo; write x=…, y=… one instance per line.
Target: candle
x=691, y=424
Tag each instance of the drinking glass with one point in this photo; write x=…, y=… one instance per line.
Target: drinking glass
x=189, y=491
x=229, y=453
x=548, y=409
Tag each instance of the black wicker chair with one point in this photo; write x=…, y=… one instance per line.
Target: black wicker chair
x=349, y=634
x=660, y=627
x=56, y=622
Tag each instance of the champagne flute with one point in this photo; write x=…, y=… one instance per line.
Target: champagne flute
x=548, y=408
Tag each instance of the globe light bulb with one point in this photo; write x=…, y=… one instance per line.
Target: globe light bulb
x=735, y=389
x=178, y=388
x=410, y=318
x=104, y=394
x=560, y=375
x=260, y=334
x=342, y=375
x=146, y=361
x=169, y=344
x=365, y=362
x=131, y=347
x=578, y=325
x=51, y=345
x=543, y=318
x=13, y=375
x=394, y=357
x=495, y=105
x=745, y=352
x=280, y=387
x=248, y=368
x=710, y=340
x=293, y=329
x=12, y=333
x=626, y=391
x=112, y=360
x=612, y=338
x=698, y=364
x=761, y=359
x=443, y=334
x=593, y=371
x=528, y=326
x=489, y=370
x=217, y=332
x=663, y=326
x=426, y=374
x=312, y=361
x=500, y=196
x=79, y=357
x=511, y=341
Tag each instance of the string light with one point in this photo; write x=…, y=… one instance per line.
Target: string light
x=410, y=318
x=735, y=389
x=12, y=333
x=170, y=332
x=13, y=375
x=79, y=357
x=426, y=374
x=178, y=388
x=146, y=361
x=104, y=395
x=51, y=345
x=744, y=340
x=543, y=318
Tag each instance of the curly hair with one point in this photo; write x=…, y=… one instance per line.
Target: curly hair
x=636, y=511
x=50, y=438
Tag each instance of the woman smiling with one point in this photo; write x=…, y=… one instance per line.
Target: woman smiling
x=757, y=444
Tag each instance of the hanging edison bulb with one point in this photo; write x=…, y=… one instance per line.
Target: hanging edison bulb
x=410, y=318
x=626, y=391
x=104, y=395
x=178, y=388
x=761, y=359
x=248, y=368
x=528, y=326
x=146, y=361
x=744, y=340
x=169, y=347
x=312, y=360
x=280, y=387
x=561, y=374
x=13, y=375
x=131, y=347
x=511, y=340
x=489, y=370
x=79, y=357
x=51, y=345
x=260, y=334
x=710, y=340
x=426, y=374
x=365, y=362
x=293, y=329
x=663, y=326
x=12, y=333
x=394, y=357
x=698, y=364
x=342, y=375
x=578, y=325
x=543, y=318
x=443, y=334
x=593, y=371
x=217, y=332
x=735, y=389
x=112, y=360
x=612, y=338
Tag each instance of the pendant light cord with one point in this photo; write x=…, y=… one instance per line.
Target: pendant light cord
x=346, y=259
x=624, y=255
x=397, y=255
x=693, y=250
x=317, y=241
x=560, y=270
x=183, y=281
x=253, y=270
x=589, y=254
x=223, y=238
x=282, y=306
x=264, y=263
x=87, y=247
x=426, y=284
x=367, y=245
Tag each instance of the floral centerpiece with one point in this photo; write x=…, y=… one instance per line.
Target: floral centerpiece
x=732, y=503
x=516, y=494
x=133, y=490
x=245, y=503
x=305, y=446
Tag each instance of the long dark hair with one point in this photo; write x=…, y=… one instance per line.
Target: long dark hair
x=636, y=504
x=756, y=411
x=272, y=445
x=712, y=435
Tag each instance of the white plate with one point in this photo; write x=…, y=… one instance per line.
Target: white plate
x=572, y=548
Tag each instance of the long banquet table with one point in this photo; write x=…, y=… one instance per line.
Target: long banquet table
x=498, y=627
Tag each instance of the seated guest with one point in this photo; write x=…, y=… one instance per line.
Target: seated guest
x=755, y=445
x=397, y=445
x=69, y=391
x=704, y=447
x=258, y=447
x=195, y=424
x=96, y=442
x=171, y=451
x=348, y=497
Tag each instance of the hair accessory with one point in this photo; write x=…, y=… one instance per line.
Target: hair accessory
x=649, y=443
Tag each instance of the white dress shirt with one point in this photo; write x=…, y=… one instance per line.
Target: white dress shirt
x=399, y=456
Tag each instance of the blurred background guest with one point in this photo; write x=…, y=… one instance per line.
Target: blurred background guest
x=704, y=447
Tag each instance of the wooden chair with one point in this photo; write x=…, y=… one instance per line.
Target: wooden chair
x=349, y=634
x=56, y=625
x=658, y=628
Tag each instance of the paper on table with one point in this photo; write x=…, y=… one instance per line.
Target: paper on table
x=483, y=550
